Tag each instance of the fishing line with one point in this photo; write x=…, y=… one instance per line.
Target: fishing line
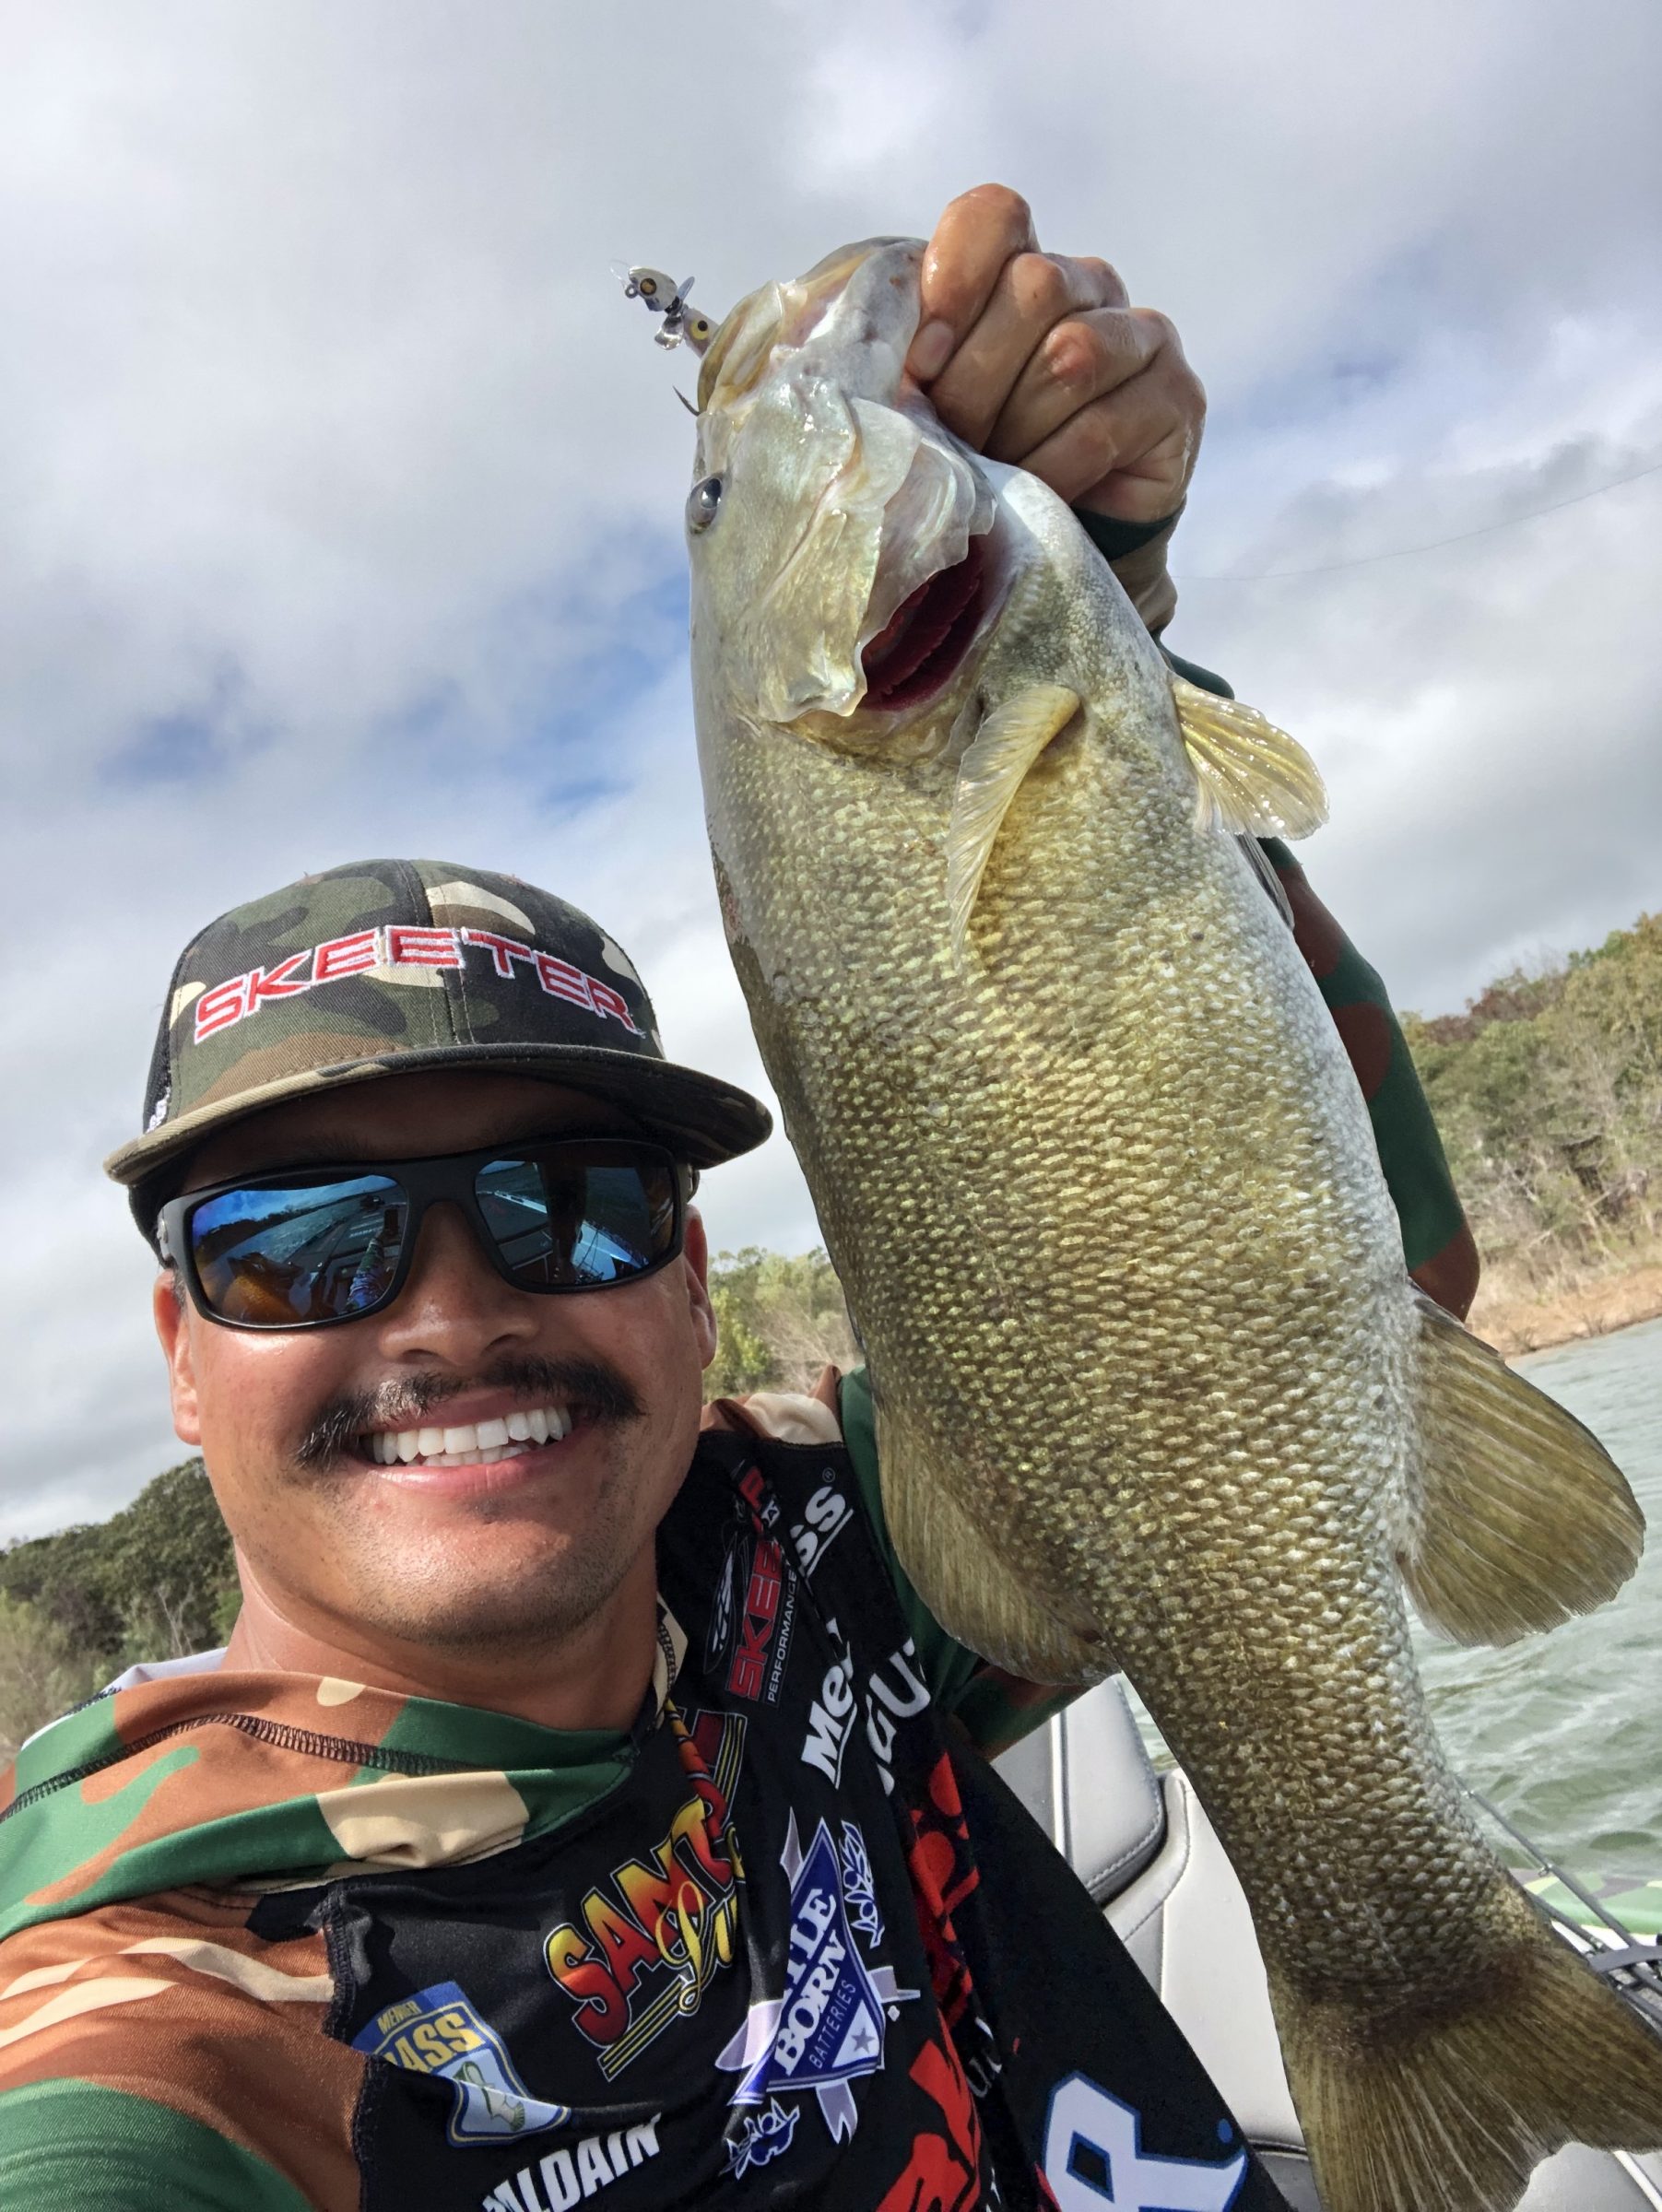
x=1460, y=537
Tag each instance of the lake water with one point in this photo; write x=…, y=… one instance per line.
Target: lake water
x=1563, y=1733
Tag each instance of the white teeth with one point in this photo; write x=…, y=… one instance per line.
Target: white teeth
x=474, y=1459
x=471, y=1445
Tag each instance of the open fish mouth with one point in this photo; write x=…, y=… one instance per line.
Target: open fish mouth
x=923, y=641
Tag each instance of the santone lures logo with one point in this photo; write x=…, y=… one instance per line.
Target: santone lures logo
x=653, y=1933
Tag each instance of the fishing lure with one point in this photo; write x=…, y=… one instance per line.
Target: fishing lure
x=664, y=297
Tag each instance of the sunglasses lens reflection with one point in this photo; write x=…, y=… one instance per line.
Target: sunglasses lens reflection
x=575, y=1216
x=275, y=1255
x=579, y=1220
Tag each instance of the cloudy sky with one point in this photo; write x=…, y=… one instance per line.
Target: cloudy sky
x=340, y=490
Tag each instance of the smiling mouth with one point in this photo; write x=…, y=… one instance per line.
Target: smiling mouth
x=468, y=1444
x=928, y=634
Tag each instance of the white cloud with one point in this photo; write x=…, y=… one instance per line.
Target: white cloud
x=339, y=489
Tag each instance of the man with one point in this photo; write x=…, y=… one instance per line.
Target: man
x=586, y=1804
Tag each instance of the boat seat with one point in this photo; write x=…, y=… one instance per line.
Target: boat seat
x=1144, y=1848
x=1086, y=1779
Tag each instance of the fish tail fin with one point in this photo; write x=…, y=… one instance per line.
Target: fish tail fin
x=1454, y=2114
x=1521, y=1517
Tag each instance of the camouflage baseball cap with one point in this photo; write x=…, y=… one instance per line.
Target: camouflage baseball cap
x=387, y=966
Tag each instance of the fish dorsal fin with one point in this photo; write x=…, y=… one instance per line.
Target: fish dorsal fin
x=1520, y=1517
x=994, y=762
x=1251, y=777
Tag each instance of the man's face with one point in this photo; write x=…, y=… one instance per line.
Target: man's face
x=520, y=1551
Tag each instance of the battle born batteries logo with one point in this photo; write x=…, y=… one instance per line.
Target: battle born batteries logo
x=828, y=2028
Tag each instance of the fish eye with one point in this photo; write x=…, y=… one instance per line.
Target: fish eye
x=703, y=501
x=649, y=284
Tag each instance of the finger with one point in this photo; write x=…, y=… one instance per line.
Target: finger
x=1079, y=360
x=1033, y=293
x=1130, y=455
x=978, y=232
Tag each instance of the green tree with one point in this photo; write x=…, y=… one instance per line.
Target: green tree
x=62, y=1579
x=42, y=1671
x=155, y=1579
x=1547, y=1091
x=779, y=1322
x=169, y=1563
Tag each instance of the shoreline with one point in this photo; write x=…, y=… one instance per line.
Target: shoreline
x=1594, y=1308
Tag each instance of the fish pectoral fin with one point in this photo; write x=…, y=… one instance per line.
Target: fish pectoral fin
x=994, y=762
x=963, y=1580
x=1522, y=1517
x=1249, y=776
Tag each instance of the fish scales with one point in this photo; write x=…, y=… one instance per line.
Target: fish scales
x=1094, y=1231
x=1154, y=1389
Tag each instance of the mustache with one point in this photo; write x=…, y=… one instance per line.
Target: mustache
x=588, y=1386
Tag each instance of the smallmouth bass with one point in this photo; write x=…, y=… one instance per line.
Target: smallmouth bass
x=1153, y=1388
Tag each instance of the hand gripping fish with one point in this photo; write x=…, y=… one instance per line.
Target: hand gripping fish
x=1154, y=1389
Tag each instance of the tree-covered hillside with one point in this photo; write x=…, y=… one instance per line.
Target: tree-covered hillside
x=152, y=1582
x=781, y=1320
x=1547, y=1091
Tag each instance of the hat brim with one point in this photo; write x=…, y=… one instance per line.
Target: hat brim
x=700, y=1119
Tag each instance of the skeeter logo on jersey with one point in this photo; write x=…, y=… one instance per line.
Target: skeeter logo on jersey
x=828, y=2028
x=659, y=1928
x=943, y=2172
x=438, y=2031
x=753, y=1610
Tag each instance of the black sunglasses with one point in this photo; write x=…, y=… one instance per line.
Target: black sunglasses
x=306, y=1247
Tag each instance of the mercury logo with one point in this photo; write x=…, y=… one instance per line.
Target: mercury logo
x=894, y=1692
